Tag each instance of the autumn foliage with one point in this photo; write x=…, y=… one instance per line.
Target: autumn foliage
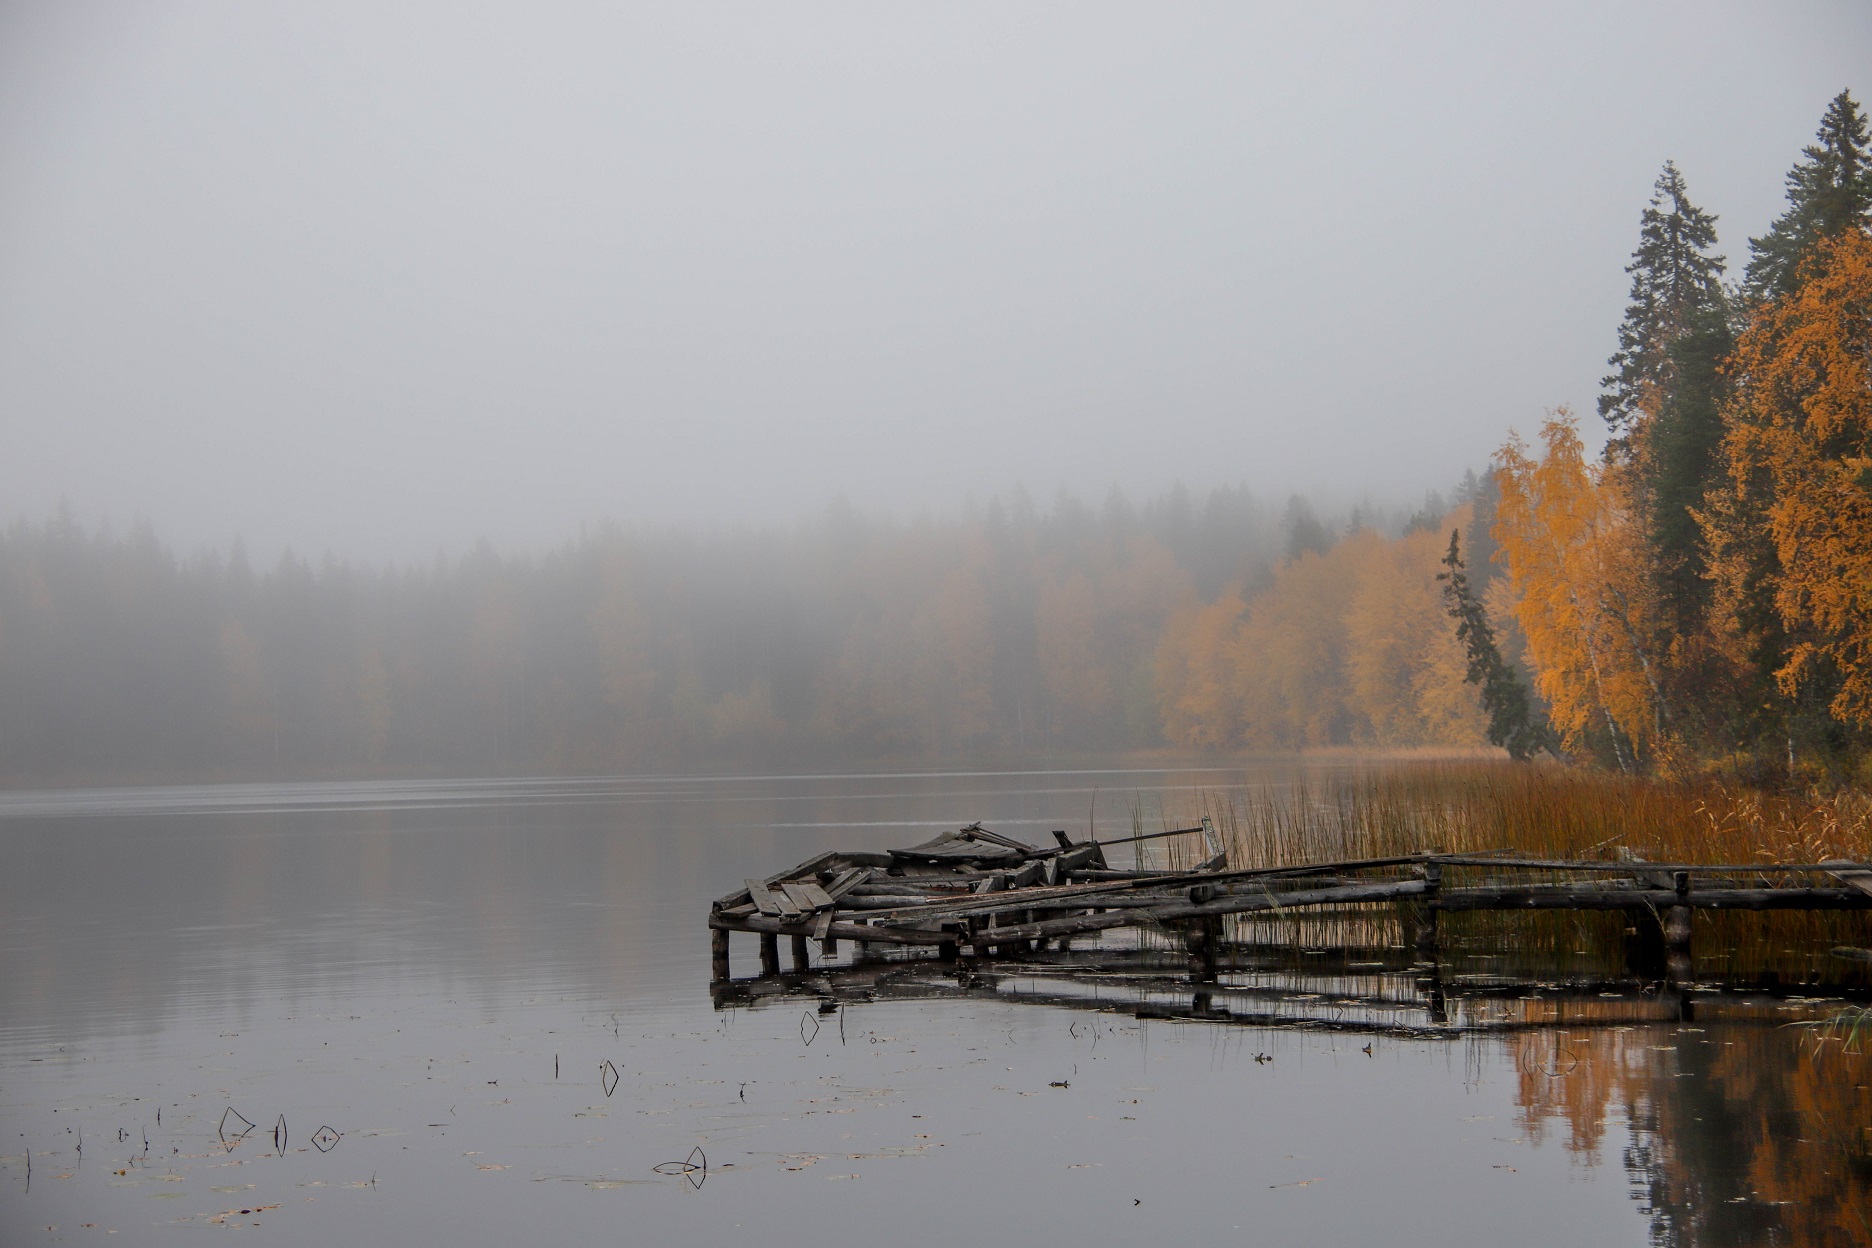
x=1348, y=647
x=1799, y=459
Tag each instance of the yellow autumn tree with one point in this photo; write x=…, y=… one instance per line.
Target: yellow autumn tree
x=1574, y=553
x=1348, y=647
x=1791, y=532
x=1405, y=669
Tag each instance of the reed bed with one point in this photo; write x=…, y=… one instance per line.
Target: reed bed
x=1545, y=811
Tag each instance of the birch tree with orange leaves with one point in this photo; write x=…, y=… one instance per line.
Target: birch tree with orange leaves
x=1793, y=529
x=1574, y=552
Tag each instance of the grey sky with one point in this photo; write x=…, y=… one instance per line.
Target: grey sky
x=381, y=278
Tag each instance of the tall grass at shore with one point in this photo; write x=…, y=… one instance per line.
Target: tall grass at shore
x=1545, y=812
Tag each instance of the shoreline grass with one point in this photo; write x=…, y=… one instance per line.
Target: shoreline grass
x=1546, y=811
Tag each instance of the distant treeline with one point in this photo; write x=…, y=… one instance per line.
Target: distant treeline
x=1009, y=628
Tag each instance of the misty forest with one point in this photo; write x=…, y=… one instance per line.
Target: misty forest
x=1029, y=623
x=1697, y=598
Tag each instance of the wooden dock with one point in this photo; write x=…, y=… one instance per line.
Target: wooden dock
x=979, y=892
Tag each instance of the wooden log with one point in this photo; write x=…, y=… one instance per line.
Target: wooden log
x=802, y=959
x=1589, y=897
x=718, y=953
x=849, y=931
x=769, y=954
x=1677, y=918
x=847, y=880
x=1424, y=933
x=1611, y=867
x=892, y=901
x=888, y=887
x=1241, y=903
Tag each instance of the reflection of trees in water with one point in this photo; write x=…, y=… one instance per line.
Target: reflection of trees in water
x=1741, y=1135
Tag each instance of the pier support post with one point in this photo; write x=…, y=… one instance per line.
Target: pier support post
x=802, y=957
x=1677, y=931
x=1199, y=939
x=718, y=953
x=1424, y=937
x=769, y=954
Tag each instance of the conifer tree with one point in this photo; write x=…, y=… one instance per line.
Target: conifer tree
x=1512, y=719
x=1665, y=397
x=1831, y=191
x=1676, y=286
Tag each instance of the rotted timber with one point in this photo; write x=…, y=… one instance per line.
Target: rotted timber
x=985, y=892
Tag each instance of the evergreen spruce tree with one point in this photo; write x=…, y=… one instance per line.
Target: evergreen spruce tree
x=1514, y=724
x=1664, y=399
x=1676, y=285
x=1829, y=192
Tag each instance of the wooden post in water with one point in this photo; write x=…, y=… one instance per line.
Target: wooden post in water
x=949, y=950
x=718, y=953
x=1424, y=939
x=769, y=954
x=802, y=960
x=1677, y=931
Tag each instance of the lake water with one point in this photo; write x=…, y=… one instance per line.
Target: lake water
x=446, y=977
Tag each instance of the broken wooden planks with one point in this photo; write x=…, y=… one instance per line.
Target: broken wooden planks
x=979, y=889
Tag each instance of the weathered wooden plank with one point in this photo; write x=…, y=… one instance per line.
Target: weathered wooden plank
x=1851, y=874
x=846, y=881
x=816, y=898
x=763, y=900
x=1119, y=894
x=1240, y=903
x=789, y=903
x=822, y=926
x=842, y=930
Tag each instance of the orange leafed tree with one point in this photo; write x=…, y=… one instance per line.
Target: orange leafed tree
x=1793, y=528
x=1576, y=567
x=1348, y=647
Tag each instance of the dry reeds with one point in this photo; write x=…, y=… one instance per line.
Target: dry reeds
x=1545, y=812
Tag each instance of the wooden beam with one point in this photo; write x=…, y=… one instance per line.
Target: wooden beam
x=1587, y=897
x=840, y=929
x=763, y=900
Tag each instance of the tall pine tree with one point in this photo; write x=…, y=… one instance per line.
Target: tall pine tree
x=1676, y=284
x=1829, y=192
x=1664, y=399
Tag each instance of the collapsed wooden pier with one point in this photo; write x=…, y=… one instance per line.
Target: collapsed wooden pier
x=978, y=891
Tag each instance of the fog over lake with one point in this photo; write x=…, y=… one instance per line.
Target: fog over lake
x=1087, y=526
x=383, y=279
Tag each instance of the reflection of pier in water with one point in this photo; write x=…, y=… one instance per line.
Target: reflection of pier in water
x=1354, y=990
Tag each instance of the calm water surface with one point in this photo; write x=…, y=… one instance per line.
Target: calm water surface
x=446, y=975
